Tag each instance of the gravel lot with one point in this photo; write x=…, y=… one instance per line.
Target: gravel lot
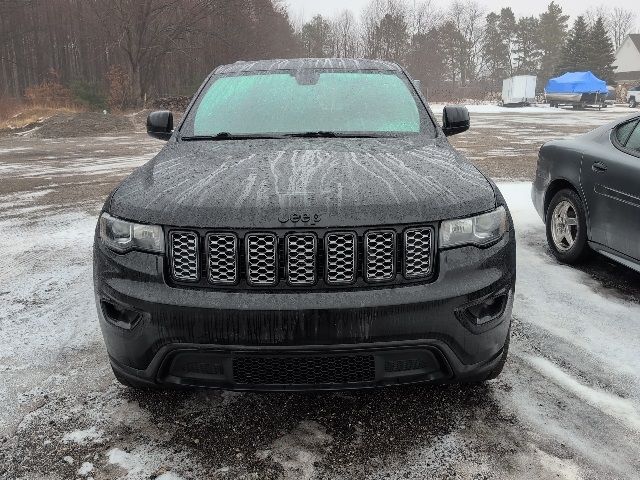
x=567, y=406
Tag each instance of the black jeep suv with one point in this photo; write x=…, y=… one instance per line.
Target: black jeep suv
x=307, y=226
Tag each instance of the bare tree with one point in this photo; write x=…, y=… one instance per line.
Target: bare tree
x=147, y=30
x=345, y=34
x=371, y=16
x=425, y=17
x=468, y=17
x=385, y=29
x=621, y=23
x=594, y=13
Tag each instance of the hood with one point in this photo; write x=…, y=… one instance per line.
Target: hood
x=304, y=182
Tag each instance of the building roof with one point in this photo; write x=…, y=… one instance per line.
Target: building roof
x=635, y=38
x=627, y=77
x=307, y=63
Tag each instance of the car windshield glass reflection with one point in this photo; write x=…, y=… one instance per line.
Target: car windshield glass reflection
x=315, y=104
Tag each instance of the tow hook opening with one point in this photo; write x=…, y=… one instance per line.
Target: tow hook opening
x=486, y=311
x=120, y=315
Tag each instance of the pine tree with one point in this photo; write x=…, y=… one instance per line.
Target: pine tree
x=552, y=35
x=495, y=51
x=526, y=51
x=575, y=53
x=316, y=37
x=600, y=52
x=507, y=26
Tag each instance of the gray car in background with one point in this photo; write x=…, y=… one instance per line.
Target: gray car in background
x=587, y=190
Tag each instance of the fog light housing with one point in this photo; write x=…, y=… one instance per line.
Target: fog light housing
x=485, y=311
x=121, y=316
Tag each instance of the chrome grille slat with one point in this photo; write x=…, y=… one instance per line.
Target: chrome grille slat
x=301, y=259
x=222, y=251
x=340, y=258
x=418, y=248
x=262, y=259
x=185, y=256
x=380, y=256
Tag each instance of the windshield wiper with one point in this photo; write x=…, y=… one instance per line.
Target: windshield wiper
x=331, y=135
x=226, y=136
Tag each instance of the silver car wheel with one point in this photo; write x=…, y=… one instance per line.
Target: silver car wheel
x=564, y=226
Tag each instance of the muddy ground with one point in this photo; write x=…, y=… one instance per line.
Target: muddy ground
x=567, y=406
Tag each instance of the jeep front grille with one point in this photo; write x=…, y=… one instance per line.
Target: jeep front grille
x=380, y=256
x=223, y=258
x=185, y=261
x=302, y=259
x=341, y=256
x=262, y=259
x=417, y=247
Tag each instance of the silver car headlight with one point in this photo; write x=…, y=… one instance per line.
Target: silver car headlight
x=123, y=236
x=479, y=230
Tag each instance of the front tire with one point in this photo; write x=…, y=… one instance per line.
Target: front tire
x=567, y=227
x=633, y=103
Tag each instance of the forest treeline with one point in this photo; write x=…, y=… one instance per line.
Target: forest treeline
x=465, y=51
x=127, y=49
x=117, y=53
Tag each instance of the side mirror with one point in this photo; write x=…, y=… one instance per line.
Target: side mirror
x=455, y=120
x=160, y=124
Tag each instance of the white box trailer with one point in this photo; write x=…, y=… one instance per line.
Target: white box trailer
x=520, y=90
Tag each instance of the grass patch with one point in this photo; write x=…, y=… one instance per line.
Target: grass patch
x=31, y=115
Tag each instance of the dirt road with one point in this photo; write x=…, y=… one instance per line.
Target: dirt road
x=567, y=406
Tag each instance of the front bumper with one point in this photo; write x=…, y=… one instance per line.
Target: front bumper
x=296, y=341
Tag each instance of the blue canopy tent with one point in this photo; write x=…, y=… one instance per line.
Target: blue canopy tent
x=577, y=82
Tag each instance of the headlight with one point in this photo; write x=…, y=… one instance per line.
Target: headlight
x=480, y=230
x=123, y=236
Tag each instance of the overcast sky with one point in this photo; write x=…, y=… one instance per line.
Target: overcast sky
x=308, y=8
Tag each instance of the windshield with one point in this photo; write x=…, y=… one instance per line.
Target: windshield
x=286, y=102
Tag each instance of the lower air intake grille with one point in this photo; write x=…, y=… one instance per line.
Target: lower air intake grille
x=418, y=252
x=329, y=370
x=380, y=256
x=262, y=259
x=185, y=265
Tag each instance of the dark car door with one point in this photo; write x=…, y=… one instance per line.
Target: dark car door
x=611, y=181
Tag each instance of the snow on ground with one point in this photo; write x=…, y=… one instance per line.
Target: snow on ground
x=494, y=108
x=532, y=110
x=582, y=340
x=567, y=406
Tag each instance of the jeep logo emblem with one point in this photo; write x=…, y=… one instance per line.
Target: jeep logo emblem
x=306, y=218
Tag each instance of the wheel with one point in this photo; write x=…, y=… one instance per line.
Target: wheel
x=497, y=370
x=633, y=103
x=567, y=227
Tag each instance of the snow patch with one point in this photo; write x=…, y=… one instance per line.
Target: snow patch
x=14, y=149
x=141, y=464
x=619, y=408
x=438, y=108
x=169, y=476
x=85, y=469
x=82, y=437
x=299, y=451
